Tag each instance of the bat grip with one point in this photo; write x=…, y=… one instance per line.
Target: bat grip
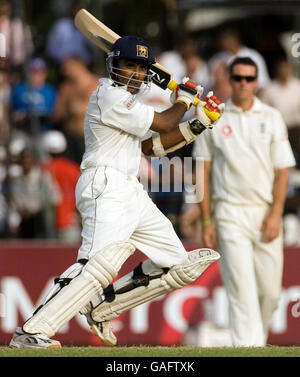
x=172, y=85
x=213, y=115
x=191, y=84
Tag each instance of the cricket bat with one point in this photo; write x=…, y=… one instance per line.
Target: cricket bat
x=104, y=38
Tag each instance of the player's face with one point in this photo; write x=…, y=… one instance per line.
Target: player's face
x=244, y=82
x=133, y=74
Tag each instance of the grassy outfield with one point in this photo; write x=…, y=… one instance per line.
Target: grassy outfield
x=147, y=351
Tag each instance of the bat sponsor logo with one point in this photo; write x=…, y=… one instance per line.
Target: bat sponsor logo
x=161, y=79
x=155, y=76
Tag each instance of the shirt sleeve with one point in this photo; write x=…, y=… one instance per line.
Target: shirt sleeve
x=281, y=151
x=133, y=118
x=203, y=147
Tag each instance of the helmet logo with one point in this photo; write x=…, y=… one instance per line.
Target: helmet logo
x=141, y=51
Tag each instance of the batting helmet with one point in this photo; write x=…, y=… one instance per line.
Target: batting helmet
x=132, y=47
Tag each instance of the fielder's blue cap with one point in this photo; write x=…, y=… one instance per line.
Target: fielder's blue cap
x=132, y=47
x=37, y=64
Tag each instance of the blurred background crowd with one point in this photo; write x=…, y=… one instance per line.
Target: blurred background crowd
x=50, y=70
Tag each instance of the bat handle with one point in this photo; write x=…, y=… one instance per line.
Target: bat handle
x=213, y=115
x=172, y=85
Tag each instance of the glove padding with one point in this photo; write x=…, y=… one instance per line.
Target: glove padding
x=186, y=94
x=211, y=103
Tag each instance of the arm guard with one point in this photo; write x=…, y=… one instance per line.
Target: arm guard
x=190, y=130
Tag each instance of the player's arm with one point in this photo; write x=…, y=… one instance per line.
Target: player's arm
x=168, y=119
x=280, y=187
x=161, y=144
x=205, y=203
x=168, y=139
x=208, y=229
x=272, y=223
x=175, y=136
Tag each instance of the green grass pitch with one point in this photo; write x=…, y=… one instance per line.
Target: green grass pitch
x=148, y=351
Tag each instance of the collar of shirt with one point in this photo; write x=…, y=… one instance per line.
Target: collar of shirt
x=105, y=81
x=256, y=107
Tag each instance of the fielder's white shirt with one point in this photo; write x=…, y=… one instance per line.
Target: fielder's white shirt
x=114, y=126
x=245, y=148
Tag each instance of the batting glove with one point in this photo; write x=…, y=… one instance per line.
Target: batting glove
x=213, y=105
x=186, y=94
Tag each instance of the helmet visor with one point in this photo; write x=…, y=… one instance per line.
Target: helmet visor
x=128, y=78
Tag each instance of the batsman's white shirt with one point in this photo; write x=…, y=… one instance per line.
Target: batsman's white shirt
x=112, y=202
x=245, y=148
x=113, y=127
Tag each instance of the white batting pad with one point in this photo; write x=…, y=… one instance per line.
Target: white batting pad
x=177, y=277
x=98, y=272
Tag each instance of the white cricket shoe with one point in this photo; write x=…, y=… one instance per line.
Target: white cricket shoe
x=21, y=339
x=103, y=330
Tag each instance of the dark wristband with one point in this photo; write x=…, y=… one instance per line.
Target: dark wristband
x=196, y=126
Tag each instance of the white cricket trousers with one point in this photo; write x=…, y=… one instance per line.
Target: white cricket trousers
x=115, y=207
x=251, y=271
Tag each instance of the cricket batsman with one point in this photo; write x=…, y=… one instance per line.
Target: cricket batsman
x=117, y=214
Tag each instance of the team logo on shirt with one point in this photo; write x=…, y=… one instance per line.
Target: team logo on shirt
x=226, y=130
x=130, y=102
x=141, y=51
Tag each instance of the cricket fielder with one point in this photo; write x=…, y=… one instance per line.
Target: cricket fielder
x=247, y=160
x=117, y=214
